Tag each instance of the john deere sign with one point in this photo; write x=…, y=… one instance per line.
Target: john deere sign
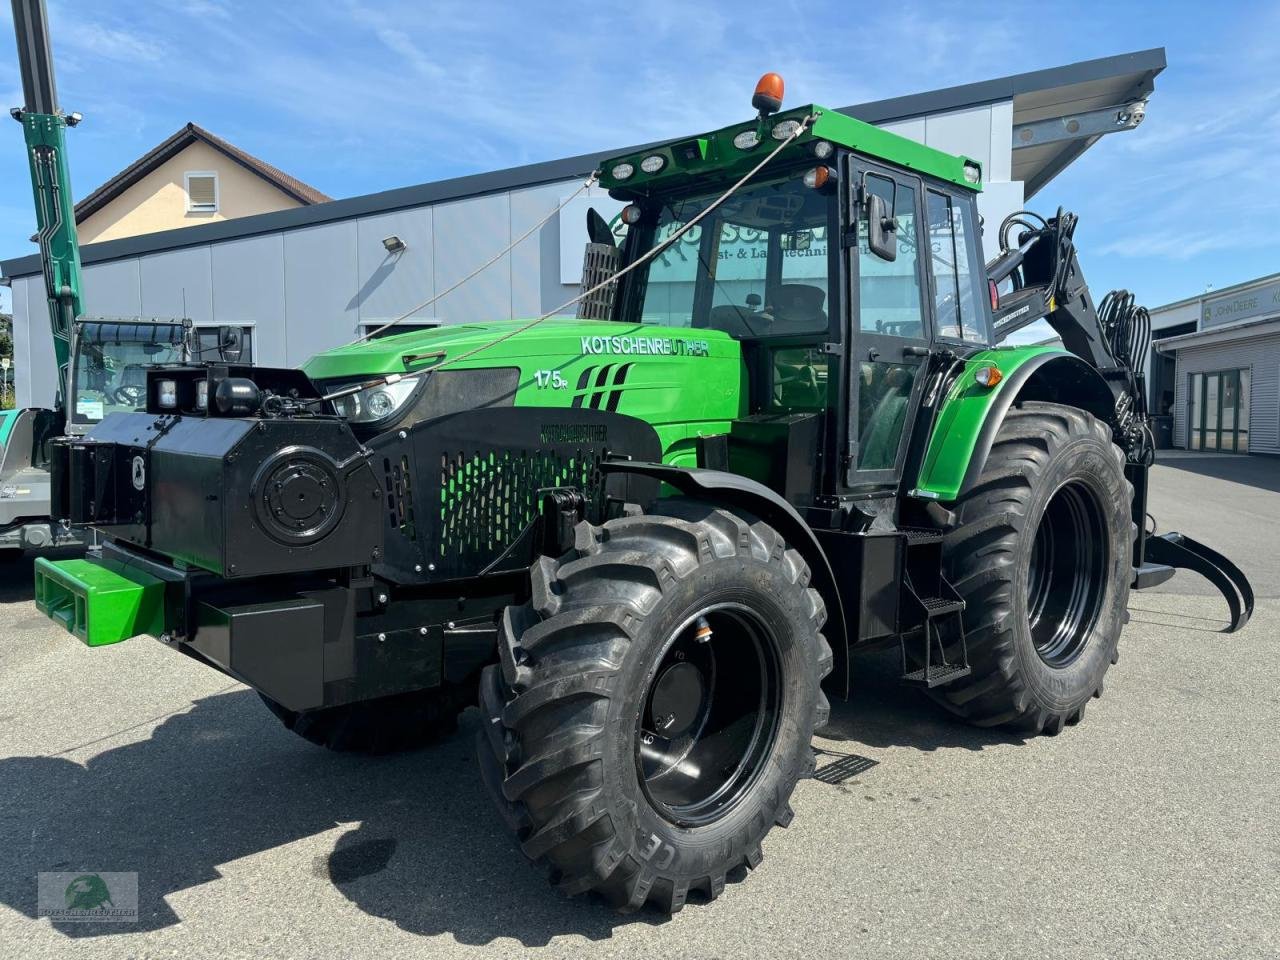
x=1260, y=302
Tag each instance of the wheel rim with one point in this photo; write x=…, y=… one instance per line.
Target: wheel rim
x=710, y=715
x=1067, y=574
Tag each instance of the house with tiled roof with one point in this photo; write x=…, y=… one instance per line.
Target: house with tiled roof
x=194, y=177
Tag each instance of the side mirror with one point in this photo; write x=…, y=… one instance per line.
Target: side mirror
x=230, y=344
x=882, y=235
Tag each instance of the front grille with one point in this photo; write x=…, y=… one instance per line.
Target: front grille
x=489, y=499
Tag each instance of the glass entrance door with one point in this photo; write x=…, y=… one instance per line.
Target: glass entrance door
x=890, y=332
x=1218, y=411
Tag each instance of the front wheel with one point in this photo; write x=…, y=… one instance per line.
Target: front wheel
x=654, y=703
x=1042, y=557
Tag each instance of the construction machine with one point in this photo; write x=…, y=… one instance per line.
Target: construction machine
x=100, y=362
x=649, y=540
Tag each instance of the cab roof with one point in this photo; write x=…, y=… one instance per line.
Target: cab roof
x=714, y=154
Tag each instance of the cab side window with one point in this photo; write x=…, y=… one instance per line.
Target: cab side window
x=889, y=292
x=957, y=276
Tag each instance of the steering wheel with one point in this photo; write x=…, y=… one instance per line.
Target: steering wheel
x=128, y=394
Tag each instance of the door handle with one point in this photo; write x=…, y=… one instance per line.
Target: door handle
x=915, y=351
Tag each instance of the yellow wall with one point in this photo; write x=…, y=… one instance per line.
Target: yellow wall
x=159, y=200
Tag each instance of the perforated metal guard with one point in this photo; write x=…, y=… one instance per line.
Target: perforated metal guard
x=489, y=499
x=462, y=493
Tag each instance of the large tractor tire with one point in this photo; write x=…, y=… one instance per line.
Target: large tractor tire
x=404, y=721
x=1042, y=556
x=654, y=704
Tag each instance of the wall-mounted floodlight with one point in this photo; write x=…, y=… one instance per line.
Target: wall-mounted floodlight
x=394, y=244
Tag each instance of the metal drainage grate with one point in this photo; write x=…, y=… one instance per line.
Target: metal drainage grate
x=847, y=767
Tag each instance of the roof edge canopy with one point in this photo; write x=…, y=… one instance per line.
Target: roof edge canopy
x=1144, y=62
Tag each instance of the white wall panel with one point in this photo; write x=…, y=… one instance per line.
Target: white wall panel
x=248, y=289
x=965, y=132
x=177, y=284
x=112, y=289
x=20, y=375
x=393, y=283
x=321, y=283
x=467, y=233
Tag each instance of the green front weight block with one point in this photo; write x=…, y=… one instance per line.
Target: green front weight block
x=96, y=604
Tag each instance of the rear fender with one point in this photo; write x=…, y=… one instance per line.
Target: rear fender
x=971, y=414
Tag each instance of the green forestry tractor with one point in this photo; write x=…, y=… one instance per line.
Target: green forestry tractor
x=648, y=540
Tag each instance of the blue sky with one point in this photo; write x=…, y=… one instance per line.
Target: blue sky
x=355, y=98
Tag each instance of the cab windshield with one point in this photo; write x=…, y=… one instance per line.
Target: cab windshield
x=756, y=267
x=111, y=377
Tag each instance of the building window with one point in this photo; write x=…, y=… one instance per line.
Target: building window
x=224, y=344
x=202, y=191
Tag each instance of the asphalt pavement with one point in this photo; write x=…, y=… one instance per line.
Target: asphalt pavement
x=1150, y=830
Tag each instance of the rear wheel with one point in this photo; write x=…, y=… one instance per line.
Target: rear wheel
x=404, y=721
x=1042, y=558
x=654, y=704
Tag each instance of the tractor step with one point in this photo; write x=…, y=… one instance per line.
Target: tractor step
x=934, y=627
x=937, y=607
x=918, y=536
x=935, y=675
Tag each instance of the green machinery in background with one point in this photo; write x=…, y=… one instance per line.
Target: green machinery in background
x=649, y=540
x=100, y=363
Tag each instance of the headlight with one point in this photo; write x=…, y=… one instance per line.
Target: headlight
x=622, y=171
x=653, y=163
x=167, y=393
x=377, y=403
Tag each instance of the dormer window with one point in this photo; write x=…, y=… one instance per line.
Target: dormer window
x=202, y=192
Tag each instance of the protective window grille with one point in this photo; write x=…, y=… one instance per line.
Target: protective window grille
x=488, y=500
x=202, y=192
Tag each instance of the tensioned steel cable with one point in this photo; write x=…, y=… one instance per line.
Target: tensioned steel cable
x=639, y=261
x=587, y=184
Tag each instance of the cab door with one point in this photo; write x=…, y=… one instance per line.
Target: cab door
x=890, y=329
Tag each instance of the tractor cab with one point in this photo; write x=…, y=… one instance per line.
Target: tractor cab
x=847, y=276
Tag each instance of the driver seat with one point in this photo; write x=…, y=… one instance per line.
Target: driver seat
x=799, y=304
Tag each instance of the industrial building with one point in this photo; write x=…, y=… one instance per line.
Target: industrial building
x=302, y=280
x=1215, y=368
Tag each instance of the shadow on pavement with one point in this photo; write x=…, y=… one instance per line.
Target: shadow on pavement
x=1258, y=470
x=17, y=575
x=223, y=781
x=883, y=712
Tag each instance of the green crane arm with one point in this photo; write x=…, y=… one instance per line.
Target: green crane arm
x=45, y=130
